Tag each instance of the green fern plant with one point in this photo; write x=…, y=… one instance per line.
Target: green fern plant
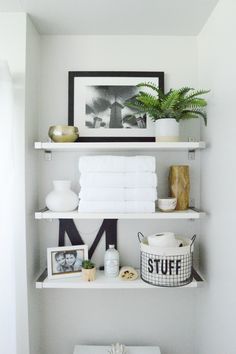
x=184, y=103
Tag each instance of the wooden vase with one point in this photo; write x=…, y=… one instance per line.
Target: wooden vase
x=179, y=183
x=89, y=274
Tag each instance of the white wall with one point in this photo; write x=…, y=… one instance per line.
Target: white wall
x=31, y=180
x=177, y=56
x=14, y=325
x=217, y=71
x=163, y=317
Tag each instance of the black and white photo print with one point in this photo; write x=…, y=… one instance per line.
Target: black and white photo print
x=106, y=108
x=66, y=261
x=97, y=105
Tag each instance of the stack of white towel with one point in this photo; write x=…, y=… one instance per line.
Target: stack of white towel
x=117, y=184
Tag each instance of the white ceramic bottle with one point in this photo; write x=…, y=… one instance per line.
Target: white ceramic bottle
x=111, y=262
x=62, y=198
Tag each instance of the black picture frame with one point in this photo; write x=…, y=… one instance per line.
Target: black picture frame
x=144, y=75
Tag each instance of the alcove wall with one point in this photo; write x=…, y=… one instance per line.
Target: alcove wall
x=181, y=321
x=162, y=317
x=216, y=58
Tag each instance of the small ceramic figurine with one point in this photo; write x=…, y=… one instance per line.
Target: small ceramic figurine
x=117, y=349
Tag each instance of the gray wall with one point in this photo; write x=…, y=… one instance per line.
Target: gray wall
x=216, y=305
x=14, y=299
x=31, y=180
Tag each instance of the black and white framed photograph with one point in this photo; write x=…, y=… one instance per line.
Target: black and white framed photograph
x=63, y=262
x=97, y=105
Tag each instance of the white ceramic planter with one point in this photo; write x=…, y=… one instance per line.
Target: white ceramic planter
x=62, y=198
x=167, y=129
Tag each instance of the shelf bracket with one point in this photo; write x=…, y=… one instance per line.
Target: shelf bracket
x=48, y=155
x=191, y=154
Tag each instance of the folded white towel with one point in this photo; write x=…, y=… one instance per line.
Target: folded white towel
x=118, y=194
x=118, y=180
x=105, y=163
x=116, y=207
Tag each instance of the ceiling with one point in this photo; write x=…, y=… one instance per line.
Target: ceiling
x=113, y=17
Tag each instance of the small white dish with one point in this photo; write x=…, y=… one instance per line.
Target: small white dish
x=167, y=204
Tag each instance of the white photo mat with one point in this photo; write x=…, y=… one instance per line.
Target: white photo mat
x=82, y=85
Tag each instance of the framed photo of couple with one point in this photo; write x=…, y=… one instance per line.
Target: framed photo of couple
x=66, y=262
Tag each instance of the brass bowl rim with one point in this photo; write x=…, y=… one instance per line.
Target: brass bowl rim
x=62, y=126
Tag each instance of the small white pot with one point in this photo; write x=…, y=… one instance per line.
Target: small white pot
x=167, y=129
x=89, y=274
x=167, y=204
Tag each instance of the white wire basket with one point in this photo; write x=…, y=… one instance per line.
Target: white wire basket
x=166, y=267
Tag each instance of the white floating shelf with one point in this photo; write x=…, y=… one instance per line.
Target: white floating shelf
x=120, y=146
x=102, y=282
x=186, y=214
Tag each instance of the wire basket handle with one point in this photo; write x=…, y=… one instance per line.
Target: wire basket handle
x=192, y=239
x=140, y=236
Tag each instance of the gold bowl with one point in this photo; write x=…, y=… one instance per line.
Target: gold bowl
x=63, y=133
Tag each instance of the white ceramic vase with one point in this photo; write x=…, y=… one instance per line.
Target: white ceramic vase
x=62, y=198
x=167, y=129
